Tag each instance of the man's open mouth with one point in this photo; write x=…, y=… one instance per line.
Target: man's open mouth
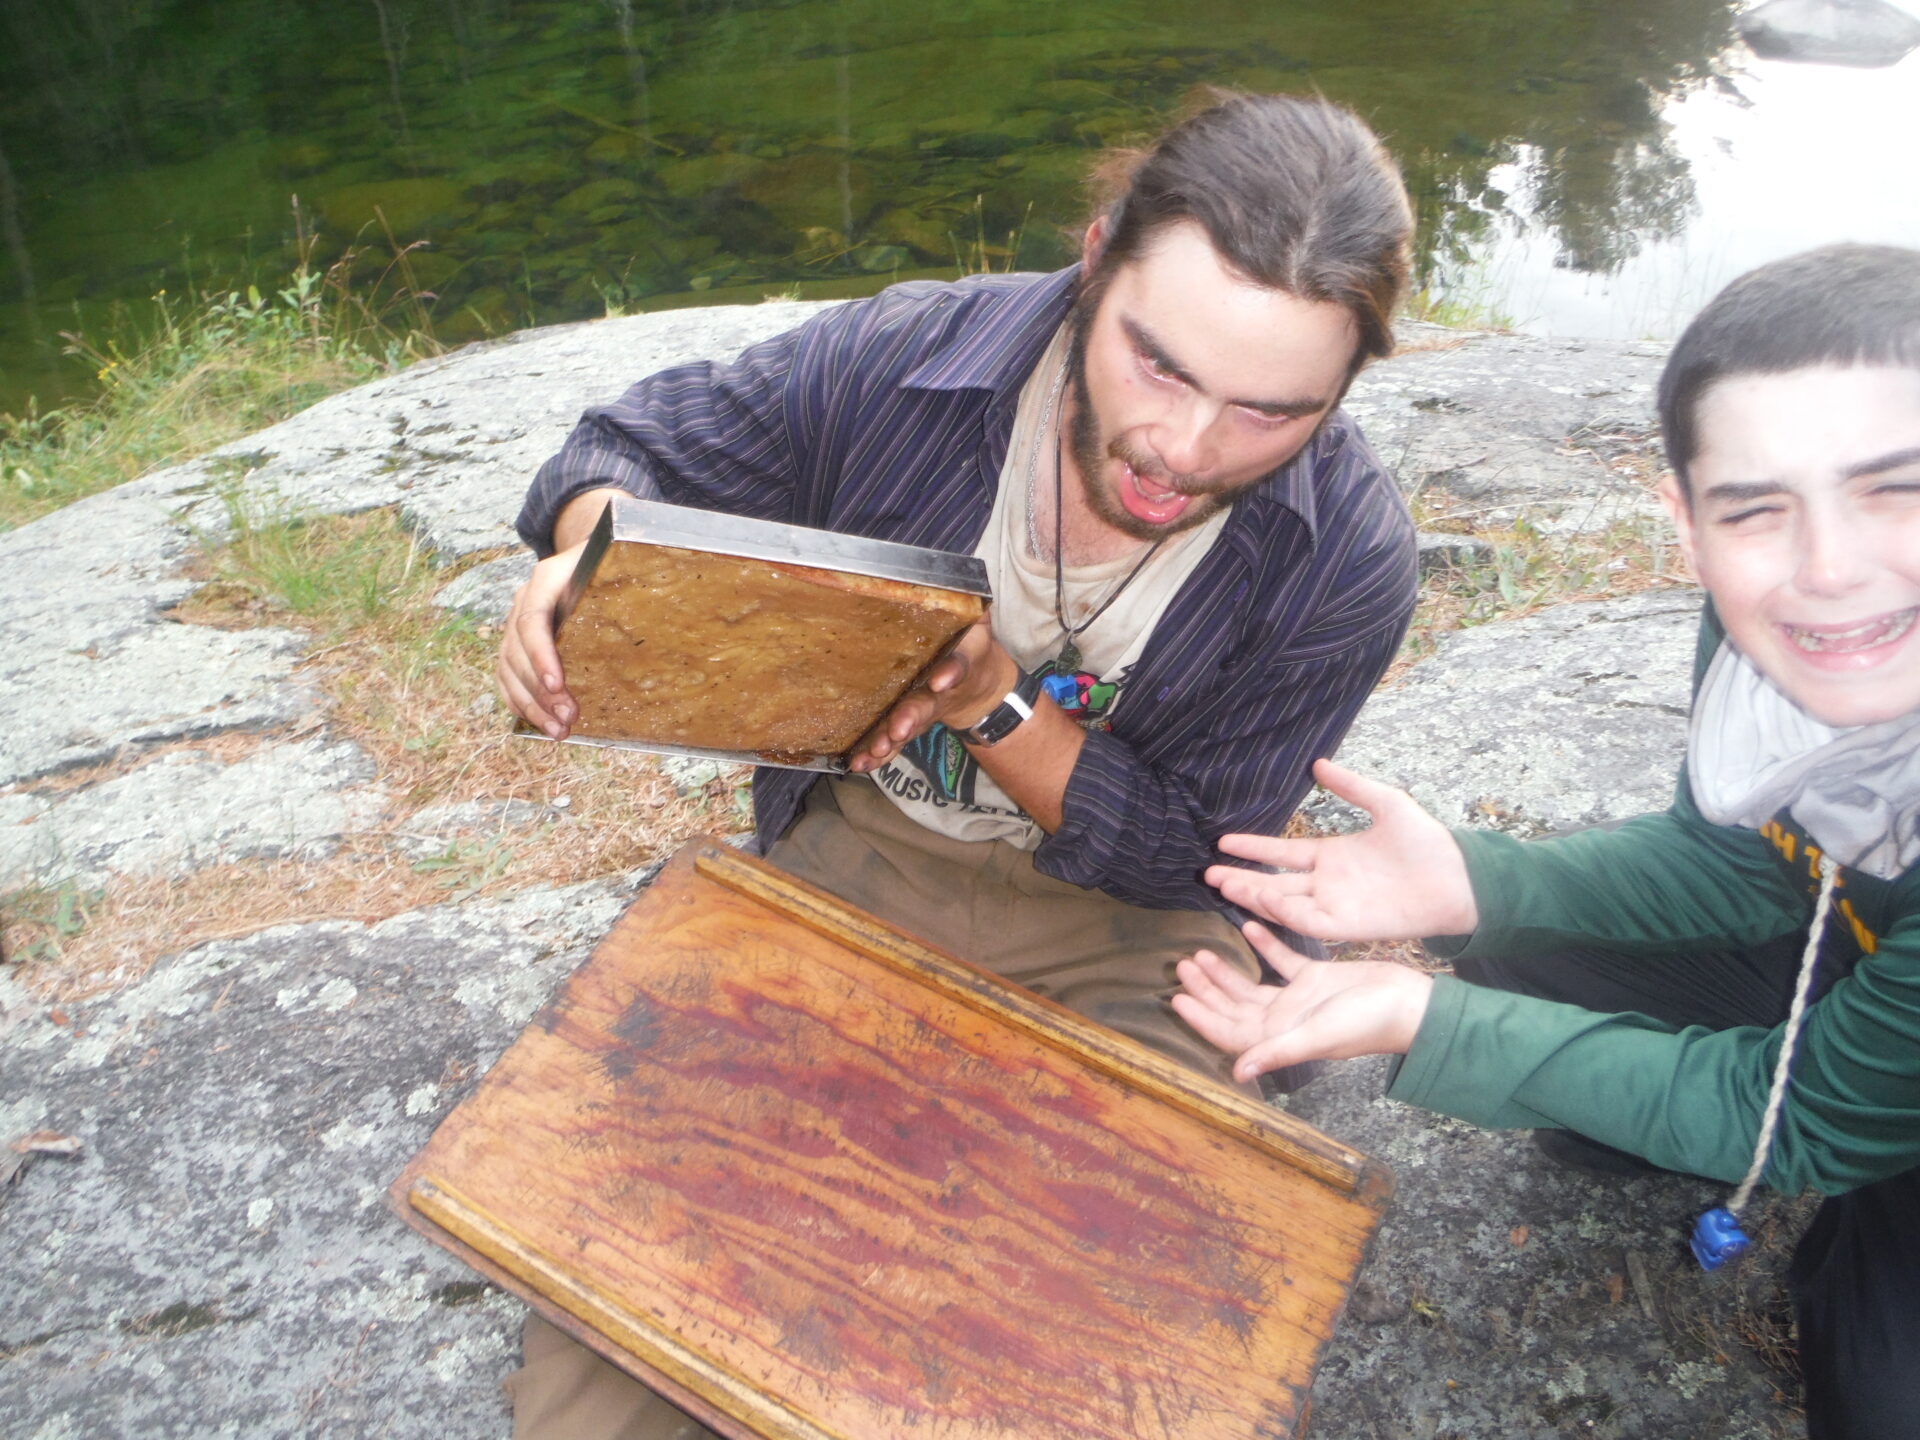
x=1150, y=500
x=1843, y=640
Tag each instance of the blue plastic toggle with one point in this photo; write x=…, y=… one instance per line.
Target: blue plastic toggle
x=1718, y=1238
x=1063, y=690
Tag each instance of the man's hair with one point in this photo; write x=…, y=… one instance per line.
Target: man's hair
x=1838, y=305
x=1296, y=194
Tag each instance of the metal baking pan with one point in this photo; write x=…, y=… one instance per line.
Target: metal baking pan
x=654, y=523
x=690, y=632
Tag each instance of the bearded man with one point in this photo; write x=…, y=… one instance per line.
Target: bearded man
x=1199, y=572
x=1146, y=452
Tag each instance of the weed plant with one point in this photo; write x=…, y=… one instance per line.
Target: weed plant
x=1456, y=312
x=1528, y=569
x=364, y=586
x=335, y=572
x=185, y=373
x=1527, y=563
x=976, y=255
x=1469, y=296
x=47, y=917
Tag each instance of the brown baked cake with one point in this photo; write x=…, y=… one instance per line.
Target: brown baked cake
x=684, y=647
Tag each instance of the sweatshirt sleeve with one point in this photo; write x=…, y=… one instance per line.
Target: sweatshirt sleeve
x=1687, y=1099
x=1692, y=1099
x=1658, y=883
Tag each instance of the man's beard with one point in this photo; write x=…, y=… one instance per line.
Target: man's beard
x=1090, y=456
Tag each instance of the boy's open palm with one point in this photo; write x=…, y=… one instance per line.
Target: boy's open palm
x=1399, y=880
x=1327, y=1010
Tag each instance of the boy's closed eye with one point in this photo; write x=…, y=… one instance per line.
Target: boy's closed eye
x=1730, y=504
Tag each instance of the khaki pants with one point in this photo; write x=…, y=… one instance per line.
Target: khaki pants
x=983, y=901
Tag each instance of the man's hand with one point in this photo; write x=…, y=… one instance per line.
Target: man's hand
x=529, y=665
x=960, y=691
x=1327, y=1010
x=1400, y=880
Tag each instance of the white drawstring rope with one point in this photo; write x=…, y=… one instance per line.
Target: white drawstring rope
x=1763, y=1144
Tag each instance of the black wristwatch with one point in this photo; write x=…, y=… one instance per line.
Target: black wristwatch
x=1006, y=717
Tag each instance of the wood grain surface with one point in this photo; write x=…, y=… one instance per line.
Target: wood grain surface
x=824, y=1182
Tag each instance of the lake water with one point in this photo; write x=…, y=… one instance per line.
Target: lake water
x=1586, y=167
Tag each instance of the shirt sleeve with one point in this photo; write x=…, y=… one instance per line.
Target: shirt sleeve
x=1688, y=1099
x=1692, y=1099
x=1655, y=884
x=727, y=437
x=1143, y=831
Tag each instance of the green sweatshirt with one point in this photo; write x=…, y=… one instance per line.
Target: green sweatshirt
x=1691, y=1099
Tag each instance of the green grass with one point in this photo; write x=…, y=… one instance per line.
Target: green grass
x=466, y=866
x=976, y=255
x=361, y=580
x=48, y=916
x=363, y=584
x=183, y=374
x=1464, y=297
x=336, y=572
x=1456, y=312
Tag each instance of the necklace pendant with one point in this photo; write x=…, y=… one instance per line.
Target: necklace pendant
x=1067, y=662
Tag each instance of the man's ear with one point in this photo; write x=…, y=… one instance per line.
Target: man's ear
x=1093, y=245
x=1673, y=495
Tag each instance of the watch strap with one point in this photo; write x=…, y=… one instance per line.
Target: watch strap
x=1014, y=709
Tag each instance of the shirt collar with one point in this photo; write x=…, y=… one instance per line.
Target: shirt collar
x=1292, y=485
x=999, y=347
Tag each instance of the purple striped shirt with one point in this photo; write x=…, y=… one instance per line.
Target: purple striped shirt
x=890, y=418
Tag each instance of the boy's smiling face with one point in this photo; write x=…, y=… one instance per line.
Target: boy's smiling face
x=1804, y=525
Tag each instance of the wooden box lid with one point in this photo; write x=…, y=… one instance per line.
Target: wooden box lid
x=811, y=1178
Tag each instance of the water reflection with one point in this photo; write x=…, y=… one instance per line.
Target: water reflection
x=564, y=156
x=1782, y=158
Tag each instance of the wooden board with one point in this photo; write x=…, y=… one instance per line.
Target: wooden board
x=811, y=1178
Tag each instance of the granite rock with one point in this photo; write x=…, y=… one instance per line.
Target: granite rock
x=1570, y=717
x=1512, y=424
x=185, y=809
x=220, y=1260
x=452, y=442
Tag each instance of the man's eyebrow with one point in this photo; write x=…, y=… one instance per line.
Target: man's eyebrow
x=1891, y=461
x=1149, y=344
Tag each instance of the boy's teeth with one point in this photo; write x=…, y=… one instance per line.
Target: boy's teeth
x=1860, y=637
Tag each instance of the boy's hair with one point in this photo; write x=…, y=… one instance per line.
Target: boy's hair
x=1838, y=305
x=1296, y=194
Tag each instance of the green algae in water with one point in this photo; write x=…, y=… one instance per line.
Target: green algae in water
x=553, y=154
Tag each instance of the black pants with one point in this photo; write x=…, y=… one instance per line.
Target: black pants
x=1855, y=1277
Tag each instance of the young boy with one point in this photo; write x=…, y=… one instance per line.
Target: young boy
x=1633, y=986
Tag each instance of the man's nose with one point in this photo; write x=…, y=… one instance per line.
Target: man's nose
x=1184, y=437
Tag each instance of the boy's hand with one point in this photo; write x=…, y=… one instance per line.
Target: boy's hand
x=1327, y=1010
x=528, y=669
x=1400, y=880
